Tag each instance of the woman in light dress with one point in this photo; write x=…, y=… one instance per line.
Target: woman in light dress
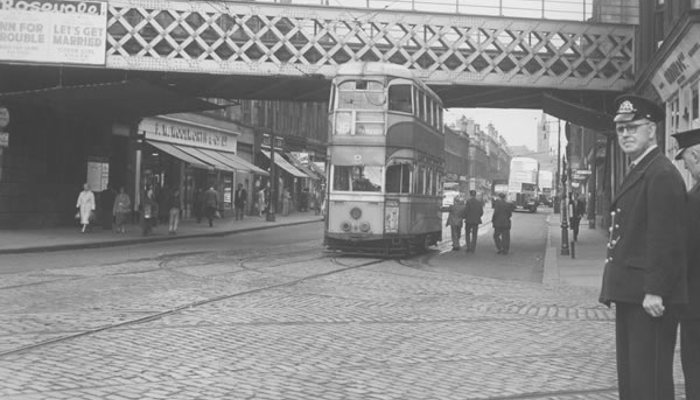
x=85, y=206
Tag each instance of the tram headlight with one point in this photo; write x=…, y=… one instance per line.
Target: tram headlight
x=356, y=213
x=364, y=227
x=345, y=226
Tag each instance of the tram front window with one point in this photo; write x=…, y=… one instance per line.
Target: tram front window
x=361, y=95
x=357, y=178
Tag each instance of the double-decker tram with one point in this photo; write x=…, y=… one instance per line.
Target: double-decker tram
x=385, y=163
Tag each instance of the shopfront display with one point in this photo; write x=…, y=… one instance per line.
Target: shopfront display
x=192, y=157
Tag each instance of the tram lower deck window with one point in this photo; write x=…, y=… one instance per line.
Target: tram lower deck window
x=357, y=178
x=398, y=178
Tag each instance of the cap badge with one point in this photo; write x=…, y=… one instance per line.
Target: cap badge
x=626, y=107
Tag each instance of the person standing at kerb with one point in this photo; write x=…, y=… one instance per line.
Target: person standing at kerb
x=645, y=270
x=473, y=211
x=689, y=145
x=577, y=209
x=502, y=212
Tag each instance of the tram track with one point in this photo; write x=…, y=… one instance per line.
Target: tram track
x=161, y=314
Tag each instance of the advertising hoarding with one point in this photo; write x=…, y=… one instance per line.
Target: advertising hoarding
x=53, y=31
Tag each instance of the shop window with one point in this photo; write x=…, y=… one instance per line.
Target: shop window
x=400, y=98
x=398, y=178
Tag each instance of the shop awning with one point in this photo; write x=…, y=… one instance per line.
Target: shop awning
x=205, y=155
x=207, y=158
x=285, y=165
x=243, y=164
x=179, y=154
x=303, y=168
x=115, y=100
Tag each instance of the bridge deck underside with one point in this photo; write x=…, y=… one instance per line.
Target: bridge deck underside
x=299, y=41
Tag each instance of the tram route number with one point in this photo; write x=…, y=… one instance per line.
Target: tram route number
x=357, y=158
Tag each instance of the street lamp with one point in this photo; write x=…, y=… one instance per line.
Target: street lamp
x=561, y=172
x=270, y=216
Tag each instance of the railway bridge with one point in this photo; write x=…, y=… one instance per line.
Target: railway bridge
x=568, y=57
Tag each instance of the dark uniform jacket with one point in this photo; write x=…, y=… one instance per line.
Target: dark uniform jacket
x=646, y=251
x=502, y=211
x=693, y=308
x=473, y=211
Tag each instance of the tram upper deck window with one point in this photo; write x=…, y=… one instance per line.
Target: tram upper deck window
x=361, y=94
x=357, y=178
x=400, y=98
x=398, y=178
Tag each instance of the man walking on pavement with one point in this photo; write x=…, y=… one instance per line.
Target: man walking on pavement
x=645, y=271
x=239, y=200
x=472, y=219
x=211, y=202
x=689, y=152
x=502, y=211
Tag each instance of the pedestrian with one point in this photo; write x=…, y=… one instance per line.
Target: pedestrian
x=261, y=201
x=198, y=205
x=304, y=200
x=86, y=207
x=502, y=212
x=689, y=145
x=286, y=201
x=121, y=210
x=454, y=221
x=149, y=212
x=173, y=204
x=473, y=211
x=211, y=204
x=577, y=208
x=240, y=198
x=645, y=270
x=106, y=202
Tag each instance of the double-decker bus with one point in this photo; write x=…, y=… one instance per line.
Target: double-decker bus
x=523, y=189
x=385, y=163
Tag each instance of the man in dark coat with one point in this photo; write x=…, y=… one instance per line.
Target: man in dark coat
x=211, y=204
x=502, y=211
x=645, y=271
x=239, y=200
x=689, y=145
x=472, y=219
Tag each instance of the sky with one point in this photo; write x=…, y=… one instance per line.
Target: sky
x=517, y=126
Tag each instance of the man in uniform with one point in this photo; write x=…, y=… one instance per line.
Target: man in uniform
x=645, y=271
x=472, y=218
x=689, y=145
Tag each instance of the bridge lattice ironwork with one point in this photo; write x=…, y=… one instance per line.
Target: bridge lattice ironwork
x=295, y=40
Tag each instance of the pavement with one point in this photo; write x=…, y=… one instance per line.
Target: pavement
x=582, y=267
x=70, y=238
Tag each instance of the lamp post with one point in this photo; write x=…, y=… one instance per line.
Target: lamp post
x=273, y=180
x=561, y=172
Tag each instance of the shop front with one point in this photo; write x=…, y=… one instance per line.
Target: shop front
x=676, y=80
x=190, y=156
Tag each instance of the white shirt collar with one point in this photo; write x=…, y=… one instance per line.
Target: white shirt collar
x=647, y=151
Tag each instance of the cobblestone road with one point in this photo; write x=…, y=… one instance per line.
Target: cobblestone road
x=292, y=324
